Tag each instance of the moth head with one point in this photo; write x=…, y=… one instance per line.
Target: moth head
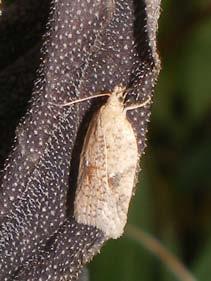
x=118, y=95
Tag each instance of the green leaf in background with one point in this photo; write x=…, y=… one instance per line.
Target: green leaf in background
x=197, y=69
x=7, y=1
x=201, y=267
x=195, y=167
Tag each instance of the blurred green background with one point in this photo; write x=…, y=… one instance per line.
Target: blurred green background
x=173, y=201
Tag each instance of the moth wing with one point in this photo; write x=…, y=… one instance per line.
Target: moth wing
x=92, y=177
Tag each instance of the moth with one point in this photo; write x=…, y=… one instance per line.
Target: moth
x=108, y=166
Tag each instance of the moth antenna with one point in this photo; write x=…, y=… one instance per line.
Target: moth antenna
x=80, y=100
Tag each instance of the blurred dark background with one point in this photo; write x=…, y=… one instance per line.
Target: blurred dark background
x=173, y=201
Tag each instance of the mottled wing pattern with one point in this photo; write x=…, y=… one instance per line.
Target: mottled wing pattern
x=107, y=170
x=92, y=179
x=122, y=163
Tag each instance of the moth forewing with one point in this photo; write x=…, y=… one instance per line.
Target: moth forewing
x=92, y=174
x=107, y=170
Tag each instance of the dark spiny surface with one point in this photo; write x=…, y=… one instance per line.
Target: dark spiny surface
x=21, y=26
x=65, y=246
x=90, y=46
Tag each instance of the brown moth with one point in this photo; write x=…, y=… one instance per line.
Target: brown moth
x=108, y=166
